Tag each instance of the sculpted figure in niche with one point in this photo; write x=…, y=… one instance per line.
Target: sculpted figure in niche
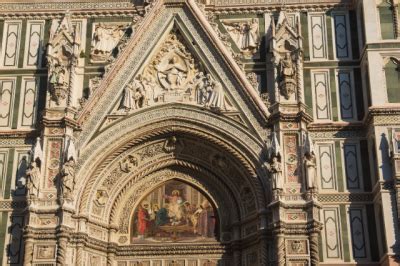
x=275, y=169
x=287, y=67
x=33, y=179
x=68, y=178
x=310, y=170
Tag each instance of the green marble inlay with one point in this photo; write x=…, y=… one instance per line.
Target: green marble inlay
x=392, y=82
x=22, y=44
x=1, y=32
x=345, y=234
x=386, y=19
x=3, y=231
x=359, y=95
x=365, y=165
x=41, y=94
x=304, y=34
x=354, y=34
x=89, y=26
x=46, y=36
x=372, y=233
x=308, y=92
x=339, y=166
x=330, y=41
x=320, y=248
x=332, y=64
x=332, y=85
x=16, y=102
x=10, y=173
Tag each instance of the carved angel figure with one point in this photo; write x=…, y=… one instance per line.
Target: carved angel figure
x=33, y=179
x=68, y=178
x=310, y=170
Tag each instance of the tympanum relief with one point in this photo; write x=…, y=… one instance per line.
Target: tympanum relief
x=105, y=38
x=173, y=75
x=245, y=33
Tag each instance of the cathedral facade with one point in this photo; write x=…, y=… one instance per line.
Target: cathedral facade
x=199, y=132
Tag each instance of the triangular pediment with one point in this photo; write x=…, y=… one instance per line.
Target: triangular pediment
x=173, y=57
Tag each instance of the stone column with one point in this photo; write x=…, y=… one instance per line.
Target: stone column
x=79, y=255
x=28, y=256
x=314, y=251
x=280, y=249
x=61, y=250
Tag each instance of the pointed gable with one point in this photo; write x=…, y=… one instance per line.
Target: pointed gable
x=146, y=61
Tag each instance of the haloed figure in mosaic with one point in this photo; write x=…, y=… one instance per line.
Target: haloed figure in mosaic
x=174, y=212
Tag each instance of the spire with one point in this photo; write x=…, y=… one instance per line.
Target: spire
x=70, y=151
x=308, y=144
x=274, y=149
x=37, y=152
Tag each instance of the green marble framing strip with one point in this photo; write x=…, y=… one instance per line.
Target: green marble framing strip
x=10, y=173
x=366, y=174
x=345, y=233
x=308, y=92
x=1, y=32
x=330, y=41
x=354, y=34
x=339, y=166
x=3, y=232
x=304, y=34
x=17, y=96
x=372, y=233
x=332, y=85
x=22, y=44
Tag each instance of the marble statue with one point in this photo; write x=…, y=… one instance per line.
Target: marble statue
x=68, y=178
x=275, y=169
x=310, y=170
x=33, y=179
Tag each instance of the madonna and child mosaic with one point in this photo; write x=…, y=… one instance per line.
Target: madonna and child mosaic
x=174, y=212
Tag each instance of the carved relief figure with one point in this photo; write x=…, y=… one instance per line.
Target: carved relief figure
x=33, y=179
x=245, y=34
x=105, y=38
